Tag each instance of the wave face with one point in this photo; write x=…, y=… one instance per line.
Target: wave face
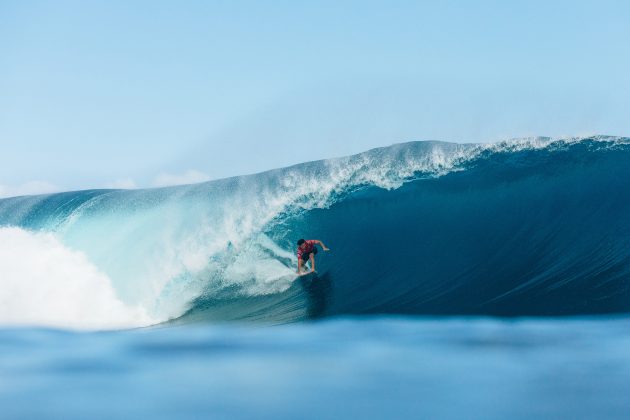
x=525, y=227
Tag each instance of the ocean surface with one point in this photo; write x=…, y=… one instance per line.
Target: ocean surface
x=463, y=281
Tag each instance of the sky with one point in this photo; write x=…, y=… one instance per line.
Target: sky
x=131, y=94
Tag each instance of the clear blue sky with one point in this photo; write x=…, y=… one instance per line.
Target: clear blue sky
x=101, y=93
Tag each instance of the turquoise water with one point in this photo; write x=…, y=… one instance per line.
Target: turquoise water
x=464, y=281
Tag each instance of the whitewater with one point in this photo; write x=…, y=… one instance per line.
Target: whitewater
x=535, y=226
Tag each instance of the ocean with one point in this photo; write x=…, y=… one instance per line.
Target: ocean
x=463, y=281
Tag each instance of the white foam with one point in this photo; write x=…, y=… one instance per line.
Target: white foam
x=44, y=283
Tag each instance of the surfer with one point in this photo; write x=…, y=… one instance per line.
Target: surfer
x=306, y=251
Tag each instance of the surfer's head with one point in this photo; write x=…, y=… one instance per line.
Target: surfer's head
x=301, y=242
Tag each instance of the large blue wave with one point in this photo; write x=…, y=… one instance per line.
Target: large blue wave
x=526, y=227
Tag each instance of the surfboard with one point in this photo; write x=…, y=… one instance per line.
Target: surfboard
x=307, y=273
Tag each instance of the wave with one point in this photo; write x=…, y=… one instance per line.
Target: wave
x=525, y=227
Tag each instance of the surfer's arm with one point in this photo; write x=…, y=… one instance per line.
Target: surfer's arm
x=320, y=243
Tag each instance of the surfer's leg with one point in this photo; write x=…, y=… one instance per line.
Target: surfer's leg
x=313, y=262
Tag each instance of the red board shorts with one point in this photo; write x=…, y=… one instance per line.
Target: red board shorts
x=307, y=255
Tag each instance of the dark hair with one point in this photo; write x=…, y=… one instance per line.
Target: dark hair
x=301, y=241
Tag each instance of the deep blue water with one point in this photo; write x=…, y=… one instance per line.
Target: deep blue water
x=464, y=281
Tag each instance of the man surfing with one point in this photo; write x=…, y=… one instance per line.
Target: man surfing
x=306, y=251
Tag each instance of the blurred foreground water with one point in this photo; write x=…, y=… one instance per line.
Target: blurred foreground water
x=376, y=367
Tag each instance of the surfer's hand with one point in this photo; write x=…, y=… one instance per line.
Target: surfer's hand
x=326, y=249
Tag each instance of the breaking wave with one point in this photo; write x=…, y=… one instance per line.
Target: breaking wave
x=524, y=227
